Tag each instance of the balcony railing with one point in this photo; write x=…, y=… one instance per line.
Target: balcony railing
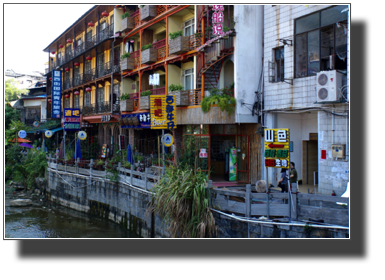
x=136, y=55
x=195, y=41
x=97, y=108
x=161, y=47
x=157, y=91
x=216, y=49
x=108, y=68
x=136, y=16
x=194, y=97
x=67, y=84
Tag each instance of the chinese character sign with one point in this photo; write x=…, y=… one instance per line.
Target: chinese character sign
x=71, y=119
x=56, y=94
x=217, y=19
x=277, y=148
x=163, y=112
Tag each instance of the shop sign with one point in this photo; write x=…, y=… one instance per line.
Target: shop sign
x=277, y=148
x=106, y=118
x=48, y=133
x=163, y=112
x=144, y=120
x=217, y=19
x=104, y=150
x=56, y=94
x=203, y=153
x=82, y=135
x=71, y=119
x=35, y=124
x=22, y=134
x=168, y=140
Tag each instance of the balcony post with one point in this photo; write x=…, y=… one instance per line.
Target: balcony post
x=167, y=35
x=98, y=26
x=140, y=87
x=112, y=76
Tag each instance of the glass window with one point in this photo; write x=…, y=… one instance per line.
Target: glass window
x=100, y=95
x=189, y=79
x=76, y=101
x=278, y=73
x=307, y=23
x=88, y=99
x=313, y=53
x=327, y=46
x=300, y=56
x=189, y=27
x=333, y=15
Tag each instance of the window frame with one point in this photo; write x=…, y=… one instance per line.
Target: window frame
x=319, y=28
x=192, y=78
x=276, y=66
x=192, y=26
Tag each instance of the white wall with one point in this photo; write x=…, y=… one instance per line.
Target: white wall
x=38, y=103
x=247, y=58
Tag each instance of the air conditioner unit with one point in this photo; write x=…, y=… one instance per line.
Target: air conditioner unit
x=328, y=85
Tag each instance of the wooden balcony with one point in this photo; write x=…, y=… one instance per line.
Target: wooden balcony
x=194, y=97
x=161, y=47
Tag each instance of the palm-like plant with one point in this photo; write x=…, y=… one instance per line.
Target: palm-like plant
x=182, y=200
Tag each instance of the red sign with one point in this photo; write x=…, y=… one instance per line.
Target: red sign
x=323, y=154
x=203, y=153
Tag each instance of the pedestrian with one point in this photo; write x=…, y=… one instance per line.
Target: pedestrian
x=282, y=183
x=293, y=175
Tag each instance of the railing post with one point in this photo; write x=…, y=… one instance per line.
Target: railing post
x=77, y=166
x=57, y=157
x=132, y=175
x=145, y=177
x=294, y=214
x=248, y=200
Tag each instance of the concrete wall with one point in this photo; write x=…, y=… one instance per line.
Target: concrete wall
x=247, y=58
x=38, y=103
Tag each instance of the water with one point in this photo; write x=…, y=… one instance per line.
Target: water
x=44, y=220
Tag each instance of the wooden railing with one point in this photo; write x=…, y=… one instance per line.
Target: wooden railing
x=194, y=97
x=136, y=16
x=160, y=9
x=297, y=206
x=195, y=41
x=158, y=91
x=136, y=55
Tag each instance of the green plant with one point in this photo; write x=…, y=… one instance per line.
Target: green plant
x=182, y=200
x=99, y=162
x=145, y=47
x=125, y=55
x=176, y=34
x=125, y=15
x=141, y=6
x=225, y=29
x=141, y=158
x=124, y=96
x=173, y=87
x=225, y=102
x=145, y=93
x=127, y=165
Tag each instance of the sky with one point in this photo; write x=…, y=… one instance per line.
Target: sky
x=30, y=28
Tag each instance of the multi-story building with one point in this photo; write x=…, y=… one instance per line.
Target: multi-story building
x=306, y=62
x=24, y=79
x=168, y=45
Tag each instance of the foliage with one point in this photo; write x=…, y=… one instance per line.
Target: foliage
x=111, y=170
x=13, y=129
x=88, y=149
x=173, y=87
x=31, y=167
x=223, y=98
x=145, y=93
x=12, y=158
x=141, y=6
x=125, y=15
x=125, y=55
x=176, y=34
x=99, y=162
x=225, y=29
x=145, y=47
x=181, y=198
x=12, y=93
x=124, y=96
x=10, y=114
x=127, y=164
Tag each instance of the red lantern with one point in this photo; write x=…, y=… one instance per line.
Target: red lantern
x=67, y=96
x=105, y=14
x=61, y=46
x=69, y=41
x=49, y=100
x=66, y=69
x=89, y=58
x=50, y=78
x=53, y=52
x=76, y=93
x=88, y=89
x=91, y=24
x=77, y=64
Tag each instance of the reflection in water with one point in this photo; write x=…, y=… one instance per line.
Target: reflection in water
x=47, y=221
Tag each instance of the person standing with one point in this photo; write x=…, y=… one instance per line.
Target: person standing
x=293, y=175
x=282, y=183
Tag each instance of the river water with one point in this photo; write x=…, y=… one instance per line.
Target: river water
x=44, y=220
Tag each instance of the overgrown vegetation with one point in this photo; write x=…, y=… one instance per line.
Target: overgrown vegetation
x=221, y=97
x=145, y=47
x=182, y=200
x=12, y=92
x=10, y=114
x=176, y=34
x=173, y=87
x=125, y=55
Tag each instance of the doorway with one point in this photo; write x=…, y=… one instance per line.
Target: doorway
x=310, y=162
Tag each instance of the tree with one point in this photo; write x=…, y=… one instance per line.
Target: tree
x=12, y=92
x=10, y=114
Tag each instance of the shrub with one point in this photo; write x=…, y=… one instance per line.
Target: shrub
x=145, y=47
x=124, y=96
x=145, y=93
x=125, y=15
x=125, y=55
x=224, y=101
x=173, y=87
x=176, y=34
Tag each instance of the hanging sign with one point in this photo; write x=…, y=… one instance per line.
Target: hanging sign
x=22, y=134
x=56, y=94
x=217, y=19
x=71, y=119
x=203, y=153
x=168, y=140
x=105, y=118
x=35, y=123
x=141, y=120
x=82, y=135
x=277, y=148
x=163, y=112
x=104, y=150
x=48, y=133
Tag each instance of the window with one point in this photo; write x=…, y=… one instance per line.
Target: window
x=87, y=99
x=189, y=79
x=67, y=102
x=76, y=101
x=89, y=35
x=320, y=42
x=277, y=67
x=188, y=27
x=100, y=95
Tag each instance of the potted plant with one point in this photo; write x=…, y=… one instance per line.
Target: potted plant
x=126, y=104
x=225, y=29
x=145, y=100
x=148, y=54
x=127, y=62
x=127, y=22
x=147, y=12
x=233, y=28
x=181, y=96
x=224, y=101
x=99, y=164
x=178, y=44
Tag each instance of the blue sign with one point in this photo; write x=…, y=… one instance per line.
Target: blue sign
x=22, y=134
x=56, y=94
x=71, y=119
x=144, y=120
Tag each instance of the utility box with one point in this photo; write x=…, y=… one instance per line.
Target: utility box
x=338, y=150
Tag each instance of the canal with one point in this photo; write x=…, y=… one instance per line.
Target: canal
x=45, y=220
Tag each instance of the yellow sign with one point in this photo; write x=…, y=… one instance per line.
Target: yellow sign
x=48, y=133
x=163, y=112
x=168, y=140
x=277, y=152
x=82, y=135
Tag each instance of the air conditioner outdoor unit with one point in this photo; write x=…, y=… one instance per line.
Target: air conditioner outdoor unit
x=328, y=85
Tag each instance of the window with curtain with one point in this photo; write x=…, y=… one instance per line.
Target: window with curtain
x=320, y=42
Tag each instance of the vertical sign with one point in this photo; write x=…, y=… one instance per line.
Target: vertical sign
x=232, y=164
x=71, y=119
x=277, y=148
x=163, y=112
x=217, y=19
x=56, y=94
